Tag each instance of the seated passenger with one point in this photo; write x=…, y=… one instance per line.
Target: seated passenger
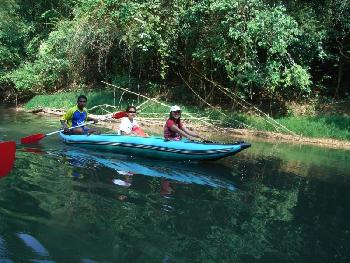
x=174, y=128
x=129, y=125
x=77, y=116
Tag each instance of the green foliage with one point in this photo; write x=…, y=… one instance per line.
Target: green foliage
x=36, y=77
x=12, y=37
x=48, y=71
x=23, y=26
x=250, y=41
x=258, y=49
x=326, y=29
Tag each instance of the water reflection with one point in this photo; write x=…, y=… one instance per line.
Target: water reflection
x=178, y=212
x=287, y=204
x=127, y=168
x=166, y=188
x=3, y=251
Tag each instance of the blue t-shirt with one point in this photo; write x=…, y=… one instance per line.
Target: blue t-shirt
x=75, y=117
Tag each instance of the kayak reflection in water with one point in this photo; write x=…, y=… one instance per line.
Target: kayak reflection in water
x=124, y=183
x=174, y=129
x=76, y=116
x=127, y=179
x=129, y=125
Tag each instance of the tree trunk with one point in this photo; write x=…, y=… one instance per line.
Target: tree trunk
x=340, y=75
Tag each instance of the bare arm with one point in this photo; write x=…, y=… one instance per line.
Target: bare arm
x=64, y=125
x=92, y=119
x=191, y=133
x=174, y=128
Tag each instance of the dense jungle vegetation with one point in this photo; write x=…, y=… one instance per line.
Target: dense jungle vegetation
x=207, y=51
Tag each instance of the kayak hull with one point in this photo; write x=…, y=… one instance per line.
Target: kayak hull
x=155, y=147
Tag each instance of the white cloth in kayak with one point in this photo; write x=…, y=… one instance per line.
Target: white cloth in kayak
x=126, y=125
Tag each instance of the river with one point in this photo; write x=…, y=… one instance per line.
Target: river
x=273, y=202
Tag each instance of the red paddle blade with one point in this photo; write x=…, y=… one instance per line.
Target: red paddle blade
x=119, y=115
x=32, y=138
x=7, y=157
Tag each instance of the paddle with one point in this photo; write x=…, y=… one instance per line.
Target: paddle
x=7, y=157
x=119, y=115
x=37, y=137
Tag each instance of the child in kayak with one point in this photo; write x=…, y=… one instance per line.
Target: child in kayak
x=174, y=128
x=77, y=116
x=129, y=125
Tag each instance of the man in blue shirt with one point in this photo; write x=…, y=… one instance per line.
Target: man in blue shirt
x=76, y=116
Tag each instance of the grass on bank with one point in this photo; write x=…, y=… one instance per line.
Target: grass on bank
x=325, y=126
x=65, y=100
x=120, y=100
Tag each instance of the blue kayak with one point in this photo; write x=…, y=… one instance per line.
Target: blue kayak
x=156, y=147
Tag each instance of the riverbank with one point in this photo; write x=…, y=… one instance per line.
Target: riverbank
x=154, y=126
x=312, y=120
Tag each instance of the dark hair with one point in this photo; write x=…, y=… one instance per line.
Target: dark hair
x=130, y=107
x=82, y=97
x=177, y=121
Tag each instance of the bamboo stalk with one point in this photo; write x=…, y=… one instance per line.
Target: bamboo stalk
x=222, y=113
x=195, y=93
x=233, y=96
x=143, y=103
x=102, y=105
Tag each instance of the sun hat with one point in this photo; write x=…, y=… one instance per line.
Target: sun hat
x=174, y=108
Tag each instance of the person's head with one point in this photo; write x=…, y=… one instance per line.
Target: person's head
x=175, y=112
x=81, y=101
x=131, y=111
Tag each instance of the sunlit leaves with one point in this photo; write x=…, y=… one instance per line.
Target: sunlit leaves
x=249, y=39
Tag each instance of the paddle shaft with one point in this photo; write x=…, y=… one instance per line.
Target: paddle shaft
x=81, y=125
x=37, y=137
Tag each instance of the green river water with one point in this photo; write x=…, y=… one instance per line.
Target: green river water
x=269, y=203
